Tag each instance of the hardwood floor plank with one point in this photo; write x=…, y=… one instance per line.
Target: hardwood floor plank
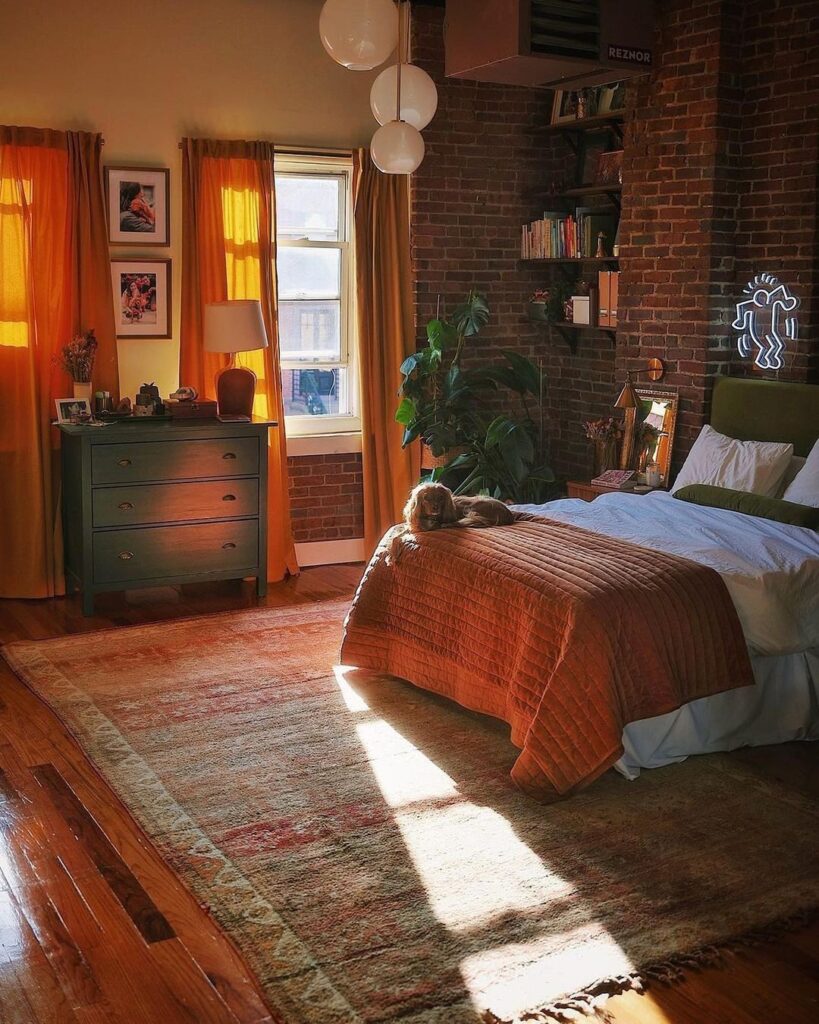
x=150, y=922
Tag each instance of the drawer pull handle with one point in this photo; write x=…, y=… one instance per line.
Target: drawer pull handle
x=229, y=546
x=124, y=462
x=229, y=497
x=125, y=506
x=126, y=556
x=229, y=455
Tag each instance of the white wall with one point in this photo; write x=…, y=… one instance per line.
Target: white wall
x=148, y=73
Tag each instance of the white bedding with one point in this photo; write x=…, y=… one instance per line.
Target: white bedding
x=772, y=574
x=771, y=569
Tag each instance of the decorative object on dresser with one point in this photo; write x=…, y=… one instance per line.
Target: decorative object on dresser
x=142, y=298
x=230, y=327
x=605, y=434
x=77, y=359
x=654, y=434
x=155, y=502
x=139, y=208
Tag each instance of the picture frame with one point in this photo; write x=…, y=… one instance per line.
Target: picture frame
x=70, y=408
x=564, y=106
x=592, y=146
x=142, y=297
x=138, y=204
x=609, y=170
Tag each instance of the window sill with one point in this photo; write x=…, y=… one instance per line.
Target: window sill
x=323, y=444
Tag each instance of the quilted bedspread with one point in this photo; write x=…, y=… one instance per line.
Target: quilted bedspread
x=565, y=634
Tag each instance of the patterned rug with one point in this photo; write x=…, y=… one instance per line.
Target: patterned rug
x=361, y=843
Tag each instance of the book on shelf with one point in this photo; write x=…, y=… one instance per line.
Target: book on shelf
x=560, y=235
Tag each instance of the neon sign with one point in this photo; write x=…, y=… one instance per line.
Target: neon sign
x=766, y=320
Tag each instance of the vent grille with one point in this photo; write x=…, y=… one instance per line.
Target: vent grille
x=568, y=28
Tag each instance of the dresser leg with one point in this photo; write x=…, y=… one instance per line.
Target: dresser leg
x=261, y=586
x=87, y=602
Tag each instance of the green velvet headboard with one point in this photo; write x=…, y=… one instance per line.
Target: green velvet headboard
x=767, y=410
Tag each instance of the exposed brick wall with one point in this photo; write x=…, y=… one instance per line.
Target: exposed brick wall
x=326, y=497
x=469, y=200
x=720, y=181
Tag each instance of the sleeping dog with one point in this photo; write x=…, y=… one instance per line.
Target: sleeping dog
x=434, y=507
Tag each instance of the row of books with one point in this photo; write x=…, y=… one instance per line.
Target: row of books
x=558, y=235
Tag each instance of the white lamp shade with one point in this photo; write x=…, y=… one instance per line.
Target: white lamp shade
x=419, y=97
x=359, y=34
x=235, y=326
x=397, y=148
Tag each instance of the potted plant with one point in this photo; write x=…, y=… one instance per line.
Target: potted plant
x=438, y=403
x=507, y=459
x=77, y=359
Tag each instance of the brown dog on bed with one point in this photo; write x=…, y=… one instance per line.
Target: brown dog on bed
x=434, y=507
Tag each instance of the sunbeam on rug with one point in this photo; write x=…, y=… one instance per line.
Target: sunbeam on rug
x=362, y=845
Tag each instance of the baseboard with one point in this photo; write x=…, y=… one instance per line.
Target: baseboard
x=330, y=552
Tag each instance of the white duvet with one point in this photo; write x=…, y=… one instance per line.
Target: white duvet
x=771, y=570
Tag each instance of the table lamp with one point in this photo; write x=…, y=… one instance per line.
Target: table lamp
x=234, y=326
x=629, y=400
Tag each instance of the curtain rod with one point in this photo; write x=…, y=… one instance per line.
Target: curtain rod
x=301, y=150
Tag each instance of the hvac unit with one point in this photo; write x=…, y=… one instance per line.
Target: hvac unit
x=551, y=43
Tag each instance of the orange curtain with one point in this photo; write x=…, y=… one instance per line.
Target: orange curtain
x=229, y=252
x=52, y=285
x=386, y=338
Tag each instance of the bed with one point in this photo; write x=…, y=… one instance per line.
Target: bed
x=629, y=632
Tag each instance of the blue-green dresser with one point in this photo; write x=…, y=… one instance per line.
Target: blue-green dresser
x=150, y=503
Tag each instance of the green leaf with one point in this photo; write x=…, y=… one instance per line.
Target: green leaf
x=410, y=363
x=525, y=374
x=469, y=318
x=405, y=413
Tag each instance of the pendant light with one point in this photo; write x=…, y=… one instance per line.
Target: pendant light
x=419, y=97
x=398, y=147
x=359, y=34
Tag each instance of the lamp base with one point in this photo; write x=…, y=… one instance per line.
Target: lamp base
x=235, y=391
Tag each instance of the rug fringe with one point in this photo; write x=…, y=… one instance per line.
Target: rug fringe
x=671, y=970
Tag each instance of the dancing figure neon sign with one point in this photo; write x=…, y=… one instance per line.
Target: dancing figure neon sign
x=766, y=320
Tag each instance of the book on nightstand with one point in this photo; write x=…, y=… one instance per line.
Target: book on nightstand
x=616, y=479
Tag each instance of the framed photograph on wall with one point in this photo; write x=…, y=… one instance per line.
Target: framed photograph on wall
x=138, y=200
x=142, y=297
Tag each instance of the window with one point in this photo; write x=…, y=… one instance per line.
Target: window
x=315, y=294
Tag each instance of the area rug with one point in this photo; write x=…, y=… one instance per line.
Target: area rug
x=362, y=845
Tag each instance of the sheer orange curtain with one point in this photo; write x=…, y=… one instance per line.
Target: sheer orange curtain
x=386, y=338
x=54, y=282
x=229, y=252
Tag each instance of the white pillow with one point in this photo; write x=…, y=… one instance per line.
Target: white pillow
x=796, y=463
x=755, y=466
x=804, y=489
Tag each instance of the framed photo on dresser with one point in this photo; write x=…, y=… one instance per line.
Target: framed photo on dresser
x=142, y=297
x=139, y=209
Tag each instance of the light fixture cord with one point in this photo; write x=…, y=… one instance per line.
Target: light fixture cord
x=401, y=7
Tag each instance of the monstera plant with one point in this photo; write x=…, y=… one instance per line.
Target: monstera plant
x=438, y=397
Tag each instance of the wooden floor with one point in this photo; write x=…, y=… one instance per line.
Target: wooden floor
x=94, y=928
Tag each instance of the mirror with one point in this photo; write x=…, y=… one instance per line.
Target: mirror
x=654, y=430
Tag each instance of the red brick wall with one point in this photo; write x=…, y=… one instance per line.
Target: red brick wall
x=469, y=200
x=326, y=497
x=720, y=181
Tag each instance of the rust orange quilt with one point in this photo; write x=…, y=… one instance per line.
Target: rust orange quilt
x=565, y=634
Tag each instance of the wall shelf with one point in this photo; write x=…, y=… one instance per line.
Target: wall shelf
x=613, y=120
x=571, y=332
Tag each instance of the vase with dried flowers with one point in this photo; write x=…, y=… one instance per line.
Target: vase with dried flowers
x=77, y=359
x=605, y=433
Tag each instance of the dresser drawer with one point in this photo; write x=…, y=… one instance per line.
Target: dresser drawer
x=175, y=503
x=154, y=552
x=182, y=460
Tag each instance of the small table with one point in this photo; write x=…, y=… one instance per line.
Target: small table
x=588, y=491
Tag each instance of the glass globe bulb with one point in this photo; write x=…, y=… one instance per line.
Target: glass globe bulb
x=359, y=34
x=419, y=97
x=397, y=148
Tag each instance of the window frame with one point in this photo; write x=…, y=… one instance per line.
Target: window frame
x=341, y=168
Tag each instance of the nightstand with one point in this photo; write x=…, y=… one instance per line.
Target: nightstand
x=586, y=490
